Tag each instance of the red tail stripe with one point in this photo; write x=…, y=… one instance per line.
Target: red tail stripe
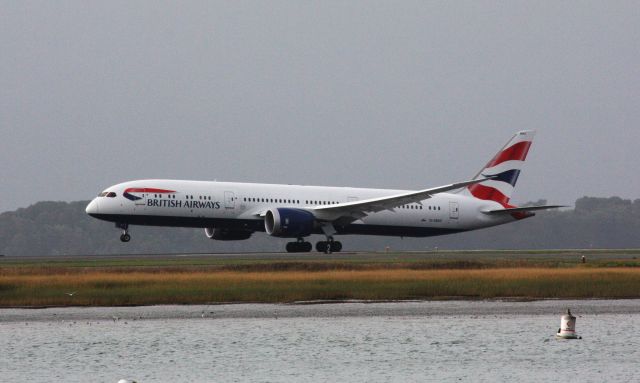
x=517, y=152
x=489, y=193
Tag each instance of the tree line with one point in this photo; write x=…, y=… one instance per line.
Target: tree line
x=63, y=228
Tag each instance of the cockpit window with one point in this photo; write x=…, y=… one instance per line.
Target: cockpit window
x=103, y=194
x=111, y=194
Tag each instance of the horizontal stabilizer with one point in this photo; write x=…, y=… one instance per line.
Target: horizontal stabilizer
x=522, y=209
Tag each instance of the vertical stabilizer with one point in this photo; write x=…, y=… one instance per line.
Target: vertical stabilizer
x=504, y=169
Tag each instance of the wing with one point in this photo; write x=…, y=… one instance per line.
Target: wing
x=358, y=209
x=522, y=209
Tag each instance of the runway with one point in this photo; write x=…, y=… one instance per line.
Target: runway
x=576, y=254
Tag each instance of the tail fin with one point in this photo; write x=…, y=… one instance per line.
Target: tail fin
x=504, y=169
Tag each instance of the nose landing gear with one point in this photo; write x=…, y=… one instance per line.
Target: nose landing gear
x=124, y=237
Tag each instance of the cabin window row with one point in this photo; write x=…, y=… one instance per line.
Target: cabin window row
x=187, y=196
x=293, y=201
x=419, y=207
x=271, y=200
x=169, y=196
x=314, y=202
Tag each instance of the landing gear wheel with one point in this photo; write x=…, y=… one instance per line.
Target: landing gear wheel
x=321, y=246
x=325, y=247
x=125, y=237
x=298, y=247
x=329, y=246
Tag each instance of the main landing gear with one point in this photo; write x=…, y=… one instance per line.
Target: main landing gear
x=300, y=246
x=124, y=237
x=329, y=246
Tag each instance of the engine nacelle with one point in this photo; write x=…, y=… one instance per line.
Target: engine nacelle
x=289, y=223
x=224, y=234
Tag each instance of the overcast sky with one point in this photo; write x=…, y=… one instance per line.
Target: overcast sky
x=397, y=94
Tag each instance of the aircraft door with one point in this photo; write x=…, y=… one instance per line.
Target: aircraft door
x=454, y=212
x=139, y=206
x=229, y=200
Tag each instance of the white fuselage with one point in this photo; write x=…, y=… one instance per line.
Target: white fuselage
x=241, y=206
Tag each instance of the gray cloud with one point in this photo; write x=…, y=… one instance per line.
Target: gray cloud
x=375, y=94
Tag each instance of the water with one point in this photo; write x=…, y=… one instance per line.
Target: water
x=355, y=342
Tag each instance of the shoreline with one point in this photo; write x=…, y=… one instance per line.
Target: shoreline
x=409, y=309
x=321, y=302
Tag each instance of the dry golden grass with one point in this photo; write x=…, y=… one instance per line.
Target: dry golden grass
x=44, y=287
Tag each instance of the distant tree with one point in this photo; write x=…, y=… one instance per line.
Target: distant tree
x=58, y=228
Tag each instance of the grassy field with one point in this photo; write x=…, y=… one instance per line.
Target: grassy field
x=143, y=280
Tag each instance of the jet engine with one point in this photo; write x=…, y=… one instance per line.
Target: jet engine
x=225, y=234
x=289, y=223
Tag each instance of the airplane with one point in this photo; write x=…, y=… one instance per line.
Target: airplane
x=234, y=211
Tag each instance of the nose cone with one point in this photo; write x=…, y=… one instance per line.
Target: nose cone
x=92, y=207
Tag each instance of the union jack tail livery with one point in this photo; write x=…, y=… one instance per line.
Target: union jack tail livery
x=503, y=170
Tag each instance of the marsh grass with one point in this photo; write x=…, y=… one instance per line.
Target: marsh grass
x=48, y=287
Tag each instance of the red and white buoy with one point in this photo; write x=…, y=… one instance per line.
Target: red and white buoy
x=567, y=328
